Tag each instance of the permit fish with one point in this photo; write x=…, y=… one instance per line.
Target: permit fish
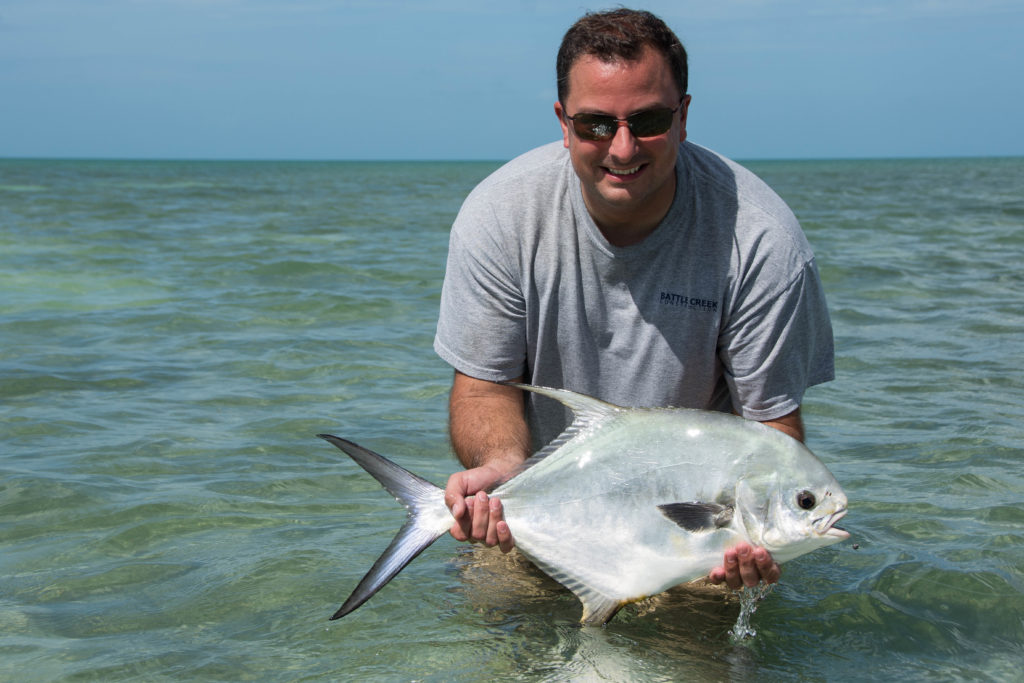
x=629, y=502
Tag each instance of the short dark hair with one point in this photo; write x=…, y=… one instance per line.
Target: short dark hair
x=619, y=34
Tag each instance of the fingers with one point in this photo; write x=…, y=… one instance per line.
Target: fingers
x=455, y=499
x=498, y=533
x=481, y=516
x=483, y=522
x=730, y=572
x=460, y=528
x=478, y=518
x=505, y=542
x=494, y=515
x=745, y=565
x=767, y=568
x=749, y=575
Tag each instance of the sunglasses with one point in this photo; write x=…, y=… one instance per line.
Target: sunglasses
x=643, y=124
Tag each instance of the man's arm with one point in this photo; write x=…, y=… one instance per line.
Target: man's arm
x=791, y=424
x=487, y=423
x=491, y=439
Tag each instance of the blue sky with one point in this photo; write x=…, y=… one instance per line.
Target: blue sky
x=474, y=79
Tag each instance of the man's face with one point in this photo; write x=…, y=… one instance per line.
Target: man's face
x=628, y=182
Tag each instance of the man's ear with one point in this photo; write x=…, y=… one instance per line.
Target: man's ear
x=560, y=113
x=682, y=115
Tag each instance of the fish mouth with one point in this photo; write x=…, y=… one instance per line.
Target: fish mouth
x=826, y=526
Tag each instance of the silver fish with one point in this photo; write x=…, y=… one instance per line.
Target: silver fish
x=629, y=502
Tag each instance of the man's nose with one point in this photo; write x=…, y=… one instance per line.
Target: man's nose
x=623, y=144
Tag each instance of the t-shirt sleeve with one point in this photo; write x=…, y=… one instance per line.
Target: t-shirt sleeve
x=481, y=328
x=777, y=344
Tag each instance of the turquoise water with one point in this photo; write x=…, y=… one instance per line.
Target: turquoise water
x=174, y=334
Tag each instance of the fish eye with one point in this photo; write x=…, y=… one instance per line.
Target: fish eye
x=806, y=500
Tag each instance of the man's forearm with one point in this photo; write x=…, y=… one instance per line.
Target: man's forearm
x=791, y=424
x=487, y=424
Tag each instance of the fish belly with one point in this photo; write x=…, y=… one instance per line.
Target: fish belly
x=625, y=553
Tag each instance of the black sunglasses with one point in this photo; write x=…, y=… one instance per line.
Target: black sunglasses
x=643, y=124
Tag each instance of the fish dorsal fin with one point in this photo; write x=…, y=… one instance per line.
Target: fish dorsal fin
x=586, y=410
x=698, y=516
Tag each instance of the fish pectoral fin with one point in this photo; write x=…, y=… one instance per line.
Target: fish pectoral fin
x=698, y=516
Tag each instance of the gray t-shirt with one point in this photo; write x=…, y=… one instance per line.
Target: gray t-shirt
x=721, y=307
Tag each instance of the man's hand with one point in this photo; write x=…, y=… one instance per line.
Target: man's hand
x=477, y=517
x=491, y=439
x=745, y=565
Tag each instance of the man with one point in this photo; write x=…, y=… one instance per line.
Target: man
x=627, y=264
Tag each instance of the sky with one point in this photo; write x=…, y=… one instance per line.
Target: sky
x=474, y=79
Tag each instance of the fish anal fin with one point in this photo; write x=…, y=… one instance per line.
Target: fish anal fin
x=698, y=516
x=598, y=605
x=598, y=610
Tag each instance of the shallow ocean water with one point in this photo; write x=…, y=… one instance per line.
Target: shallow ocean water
x=174, y=334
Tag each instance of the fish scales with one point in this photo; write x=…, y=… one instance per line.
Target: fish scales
x=627, y=503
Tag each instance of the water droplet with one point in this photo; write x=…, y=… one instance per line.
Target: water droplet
x=749, y=597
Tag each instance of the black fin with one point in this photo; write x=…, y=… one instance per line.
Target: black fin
x=698, y=516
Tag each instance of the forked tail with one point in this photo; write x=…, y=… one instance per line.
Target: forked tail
x=428, y=519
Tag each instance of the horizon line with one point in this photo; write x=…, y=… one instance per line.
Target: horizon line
x=476, y=160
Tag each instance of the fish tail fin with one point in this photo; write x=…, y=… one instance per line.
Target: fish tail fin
x=428, y=519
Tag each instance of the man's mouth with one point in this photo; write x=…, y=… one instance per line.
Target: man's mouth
x=623, y=172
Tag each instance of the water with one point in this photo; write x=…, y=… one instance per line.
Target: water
x=749, y=596
x=172, y=336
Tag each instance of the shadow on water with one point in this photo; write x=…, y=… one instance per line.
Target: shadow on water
x=684, y=632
